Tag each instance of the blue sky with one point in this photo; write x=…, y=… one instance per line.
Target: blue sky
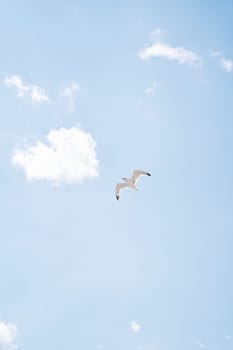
x=89, y=92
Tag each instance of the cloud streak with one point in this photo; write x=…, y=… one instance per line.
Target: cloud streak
x=69, y=156
x=179, y=54
x=36, y=93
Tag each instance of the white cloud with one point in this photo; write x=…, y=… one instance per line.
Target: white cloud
x=227, y=65
x=69, y=92
x=135, y=326
x=179, y=54
x=16, y=82
x=7, y=336
x=36, y=93
x=69, y=157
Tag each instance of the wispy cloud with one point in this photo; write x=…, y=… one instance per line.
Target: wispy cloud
x=16, y=82
x=7, y=336
x=179, y=54
x=69, y=93
x=36, y=93
x=69, y=157
x=135, y=326
x=227, y=64
x=201, y=345
x=216, y=53
x=227, y=337
x=151, y=89
x=155, y=33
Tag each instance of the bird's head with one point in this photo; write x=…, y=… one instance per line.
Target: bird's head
x=124, y=178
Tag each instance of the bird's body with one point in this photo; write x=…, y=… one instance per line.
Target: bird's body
x=130, y=182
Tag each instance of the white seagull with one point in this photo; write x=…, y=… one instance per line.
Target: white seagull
x=130, y=182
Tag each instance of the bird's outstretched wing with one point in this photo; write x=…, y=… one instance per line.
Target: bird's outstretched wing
x=119, y=187
x=137, y=174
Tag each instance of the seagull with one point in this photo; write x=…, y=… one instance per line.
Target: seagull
x=130, y=182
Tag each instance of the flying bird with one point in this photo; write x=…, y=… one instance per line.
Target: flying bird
x=130, y=182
